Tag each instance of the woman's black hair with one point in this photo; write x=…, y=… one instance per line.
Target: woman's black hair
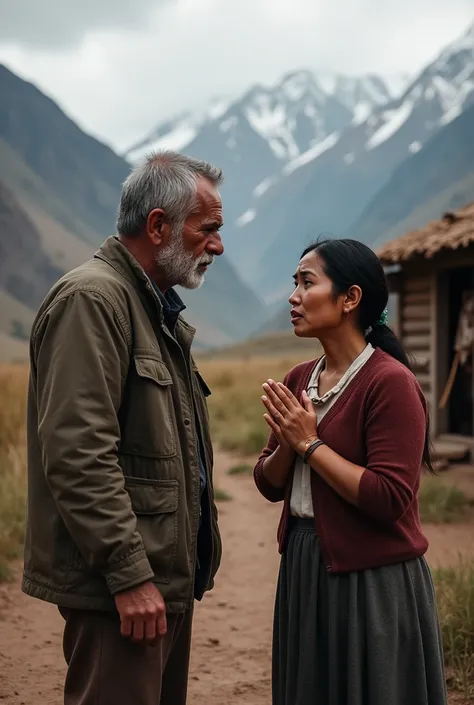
x=348, y=263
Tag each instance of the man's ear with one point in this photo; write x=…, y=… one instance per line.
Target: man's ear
x=157, y=229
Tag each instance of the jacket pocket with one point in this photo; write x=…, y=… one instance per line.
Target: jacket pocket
x=155, y=504
x=149, y=426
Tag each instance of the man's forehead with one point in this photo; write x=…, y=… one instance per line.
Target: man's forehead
x=207, y=190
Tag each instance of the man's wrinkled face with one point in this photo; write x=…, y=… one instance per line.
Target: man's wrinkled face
x=192, y=248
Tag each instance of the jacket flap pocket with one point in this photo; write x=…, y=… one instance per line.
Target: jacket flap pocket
x=205, y=388
x=153, y=369
x=152, y=496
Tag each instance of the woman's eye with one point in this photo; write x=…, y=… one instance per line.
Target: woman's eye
x=307, y=282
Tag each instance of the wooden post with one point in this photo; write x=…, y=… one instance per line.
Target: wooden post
x=442, y=347
x=434, y=342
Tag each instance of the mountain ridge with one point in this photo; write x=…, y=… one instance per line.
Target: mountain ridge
x=329, y=192
x=60, y=193
x=261, y=131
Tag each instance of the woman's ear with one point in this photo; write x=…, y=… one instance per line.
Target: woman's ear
x=353, y=298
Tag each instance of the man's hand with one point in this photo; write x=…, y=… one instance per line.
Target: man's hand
x=142, y=613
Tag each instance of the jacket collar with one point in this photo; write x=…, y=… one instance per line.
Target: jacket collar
x=118, y=256
x=115, y=254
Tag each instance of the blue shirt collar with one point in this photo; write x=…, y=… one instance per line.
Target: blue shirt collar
x=171, y=303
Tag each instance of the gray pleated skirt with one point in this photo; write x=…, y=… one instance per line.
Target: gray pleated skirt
x=365, y=638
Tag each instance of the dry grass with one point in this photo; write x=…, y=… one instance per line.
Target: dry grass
x=13, y=381
x=455, y=595
x=240, y=469
x=236, y=410
x=442, y=502
x=269, y=347
x=221, y=495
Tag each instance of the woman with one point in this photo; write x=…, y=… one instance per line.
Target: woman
x=355, y=619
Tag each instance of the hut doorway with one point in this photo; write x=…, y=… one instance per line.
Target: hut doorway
x=460, y=406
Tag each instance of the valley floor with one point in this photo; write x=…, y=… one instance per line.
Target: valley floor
x=233, y=624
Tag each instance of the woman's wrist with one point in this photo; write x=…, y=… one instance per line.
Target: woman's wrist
x=311, y=448
x=304, y=445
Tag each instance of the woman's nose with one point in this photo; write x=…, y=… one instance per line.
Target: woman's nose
x=294, y=298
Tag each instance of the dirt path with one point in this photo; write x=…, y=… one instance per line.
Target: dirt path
x=232, y=632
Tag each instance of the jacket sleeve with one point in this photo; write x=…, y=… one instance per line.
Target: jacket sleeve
x=269, y=491
x=81, y=354
x=395, y=436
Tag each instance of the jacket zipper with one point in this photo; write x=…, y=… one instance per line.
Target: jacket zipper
x=193, y=423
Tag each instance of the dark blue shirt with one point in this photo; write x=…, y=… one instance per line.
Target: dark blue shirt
x=172, y=306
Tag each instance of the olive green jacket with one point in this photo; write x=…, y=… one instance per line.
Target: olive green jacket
x=113, y=465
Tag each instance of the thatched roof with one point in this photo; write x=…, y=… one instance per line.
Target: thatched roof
x=454, y=230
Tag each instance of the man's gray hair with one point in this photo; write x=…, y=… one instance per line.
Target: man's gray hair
x=166, y=180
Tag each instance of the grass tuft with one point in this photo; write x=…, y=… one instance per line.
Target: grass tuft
x=240, y=469
x=442, y=503
x=13, y=381
x=221, y=495
x=455, y=596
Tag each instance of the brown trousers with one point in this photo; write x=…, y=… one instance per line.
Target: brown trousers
x=104, y=668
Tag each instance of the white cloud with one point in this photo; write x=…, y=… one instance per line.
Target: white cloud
x=121, y=71
x=49, y=24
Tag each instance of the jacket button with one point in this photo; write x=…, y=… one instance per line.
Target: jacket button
x=187, y=422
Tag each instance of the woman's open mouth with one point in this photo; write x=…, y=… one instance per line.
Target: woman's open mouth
x=295, y=316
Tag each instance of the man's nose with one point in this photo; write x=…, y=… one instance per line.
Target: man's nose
x=215, y=246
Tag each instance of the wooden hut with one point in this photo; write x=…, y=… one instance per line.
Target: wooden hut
x=431, y=278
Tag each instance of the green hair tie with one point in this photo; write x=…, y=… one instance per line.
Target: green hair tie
x=383, y=318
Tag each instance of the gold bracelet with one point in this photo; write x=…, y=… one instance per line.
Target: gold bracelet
x=308, y=442
x=312, y=447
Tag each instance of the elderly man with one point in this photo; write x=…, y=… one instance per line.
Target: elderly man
x=122, y=527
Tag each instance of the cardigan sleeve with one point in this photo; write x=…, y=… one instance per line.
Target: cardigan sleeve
x=269, y=491
x=395, y=431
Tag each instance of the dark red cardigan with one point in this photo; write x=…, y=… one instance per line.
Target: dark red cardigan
x=379, y=423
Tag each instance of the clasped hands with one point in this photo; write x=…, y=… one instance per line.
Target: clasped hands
x=294, y=424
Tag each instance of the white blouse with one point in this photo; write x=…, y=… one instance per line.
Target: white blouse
x=301, y=502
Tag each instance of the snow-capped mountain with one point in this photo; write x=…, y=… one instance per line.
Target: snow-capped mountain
x=327, y=188
x=292, y=115
x=267, y=129
x=435, y=98
x=362, y=94
x=301, y=109
x=177, y=132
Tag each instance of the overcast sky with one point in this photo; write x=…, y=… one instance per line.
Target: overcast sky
x=119, y=66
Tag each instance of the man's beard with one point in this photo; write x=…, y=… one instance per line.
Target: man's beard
x=179, y=265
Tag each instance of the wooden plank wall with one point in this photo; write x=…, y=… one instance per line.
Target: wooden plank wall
x=417, y=307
